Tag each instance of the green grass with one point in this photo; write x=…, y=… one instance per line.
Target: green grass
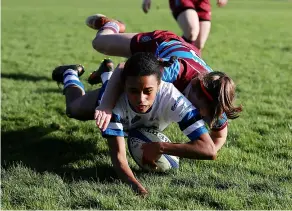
x=52, y=162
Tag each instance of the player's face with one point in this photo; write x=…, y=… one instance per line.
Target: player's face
x=141, y=92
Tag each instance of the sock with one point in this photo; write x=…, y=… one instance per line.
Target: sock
x=101, y=92
x=111, y=26
x=71, y=78
x=106, y=76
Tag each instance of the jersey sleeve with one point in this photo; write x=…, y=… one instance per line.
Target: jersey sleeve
x=181, y=110
x=220, y=124
x=115, y=127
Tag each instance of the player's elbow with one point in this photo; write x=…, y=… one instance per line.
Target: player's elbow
x=211, y=153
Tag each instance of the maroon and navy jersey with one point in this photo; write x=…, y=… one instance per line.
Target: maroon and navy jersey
x=187, y=66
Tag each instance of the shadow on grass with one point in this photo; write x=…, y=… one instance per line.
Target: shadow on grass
x=24, y=77
x=34, y=150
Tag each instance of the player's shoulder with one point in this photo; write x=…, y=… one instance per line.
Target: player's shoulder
x=166, y=88
x=168, y=91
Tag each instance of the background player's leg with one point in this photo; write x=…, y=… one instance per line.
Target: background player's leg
x=205, y=27
x=188, y=21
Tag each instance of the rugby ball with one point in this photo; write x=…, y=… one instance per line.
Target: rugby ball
x=139, y=136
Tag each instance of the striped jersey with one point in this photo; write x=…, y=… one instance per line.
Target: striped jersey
x=169, y=106
x=184, y=69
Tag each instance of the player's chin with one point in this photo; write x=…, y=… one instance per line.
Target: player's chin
x=141, y=108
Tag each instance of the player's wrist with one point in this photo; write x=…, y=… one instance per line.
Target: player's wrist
x=161, y=147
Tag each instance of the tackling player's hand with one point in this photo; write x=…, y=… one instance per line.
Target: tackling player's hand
x=221, y=3
x=146, y=5
x=151, y=153
x=102, y=118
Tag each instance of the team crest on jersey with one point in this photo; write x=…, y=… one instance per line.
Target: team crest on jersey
x=176, y=103
x=145, y=39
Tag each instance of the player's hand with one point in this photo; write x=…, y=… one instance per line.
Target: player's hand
x=151, y=153
x=221, y=3
x=102, y=118
x=139, y=189
x=146, y=5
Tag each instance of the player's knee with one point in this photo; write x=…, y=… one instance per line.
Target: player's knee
x=69, y=112
x=95, y=44
x=78, y=113
x=72, y=112
x=100, y=47
x=191, y=34
x=194, y=35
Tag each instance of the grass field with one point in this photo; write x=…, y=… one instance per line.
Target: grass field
x=52, y=162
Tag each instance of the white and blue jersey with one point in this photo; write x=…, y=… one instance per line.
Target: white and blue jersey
x=169, y=106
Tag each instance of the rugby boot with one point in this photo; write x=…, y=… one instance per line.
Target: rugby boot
x=106, y=65
x=58, y=72
x=97, y=21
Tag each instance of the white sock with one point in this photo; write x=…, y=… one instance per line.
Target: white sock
x=106, y=76
x=111, y=26
x=71, y=78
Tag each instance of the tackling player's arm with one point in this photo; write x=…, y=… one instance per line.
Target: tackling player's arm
x=218, y=130
x=110, y=97
x=202, y=148
x=219, y=137
x=179, y=109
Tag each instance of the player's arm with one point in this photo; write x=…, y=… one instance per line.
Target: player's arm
x=146, y=5
x=218, y=131
x=221, y=3
x=179, y=109
x=115, y=136
x=219, y=137
x=112, y=92
x=202, y=148
x=120, y=163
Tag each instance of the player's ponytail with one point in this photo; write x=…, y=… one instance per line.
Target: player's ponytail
x=167, y=63
x=219, y=91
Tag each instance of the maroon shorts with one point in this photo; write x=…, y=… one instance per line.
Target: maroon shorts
x=202, y=7
x=148, y=41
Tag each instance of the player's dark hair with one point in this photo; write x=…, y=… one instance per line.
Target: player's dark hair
x=142, y=64
x=219, y=91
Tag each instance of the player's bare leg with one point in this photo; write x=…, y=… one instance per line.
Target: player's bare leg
x=188, y=21
x=110, y=38
x=205, y=27
x=79, y=105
